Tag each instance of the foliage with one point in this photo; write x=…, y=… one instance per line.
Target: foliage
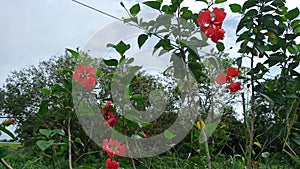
x=41, y=99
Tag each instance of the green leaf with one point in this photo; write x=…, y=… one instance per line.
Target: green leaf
x=292, y=50
x=273, y=60
x=132, y=117
x=78, y=140
x=3, y=129
x=85, y=109
x=235, y=8
x=136, y=136
x=111, y=62
x=295, y=158
x=57, y=89
x=5, y=150
x=239, y=61
x=145, y=124
x=169, y=9
x=290, y=36
x=85, y=167
x=142, y=39
x=121, y=47
x=169, y=135
x=211, y=127
x=128, y=91
x=295, y=24
x=43, y=144
x=45, y=91
x=249, y=4
x=153, y=4
x=58, y=131
x=251, y=13
x=205, y=1
x=45, y=132
x=43, y=108
x=268, y=99
x=220, y=1
x=220, y=46
x=135, y=9
x=176, y=2
x=267, y=8
x=292, y=14
x=291, y=96
x=74, y=53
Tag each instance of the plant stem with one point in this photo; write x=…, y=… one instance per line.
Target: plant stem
x=251, y=118
x=53, y=157
x=70, y=141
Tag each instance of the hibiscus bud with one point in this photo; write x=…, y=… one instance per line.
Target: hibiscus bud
x=200, y=125
x=12, y=121
x=8, y=122
x=122, y=4
x=145, y=136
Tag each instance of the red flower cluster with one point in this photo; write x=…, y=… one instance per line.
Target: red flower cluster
x=230, y=73
x=113, y=148
x=212, y=27
x=86, y=76
x=111, y=119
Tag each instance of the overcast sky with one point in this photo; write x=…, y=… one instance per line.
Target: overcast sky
x=34, y=30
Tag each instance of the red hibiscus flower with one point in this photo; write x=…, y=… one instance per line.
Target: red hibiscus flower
x=221, y=79
x=113, y=148
x=112, y=164
x=86, y=76
x=234, y=86
x=111, y=119
x=232, y=72
x=107, y=106
x=212, y=27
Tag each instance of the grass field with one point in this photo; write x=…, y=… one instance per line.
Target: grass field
x=19, y=159
x=12, y=145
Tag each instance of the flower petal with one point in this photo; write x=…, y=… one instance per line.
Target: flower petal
x=219, y=16
x=204, y=19
x=232, y=72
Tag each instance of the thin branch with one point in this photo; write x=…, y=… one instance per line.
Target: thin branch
x=5, y=164
x=97, y=10
x=70, y=141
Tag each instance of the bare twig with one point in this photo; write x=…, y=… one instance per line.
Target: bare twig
x=5, y=164
x=104, y=13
